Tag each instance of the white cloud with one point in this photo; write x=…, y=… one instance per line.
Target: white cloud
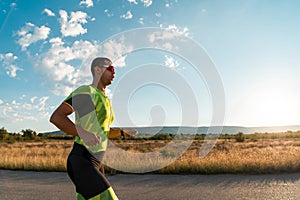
x=168, y=37
x=48, y=12
x=141, y=21
x=158, y=14
x=171, y=62
x=171, y=32
x=8, y=61
x=133, y=1
x=167, y=5
x=33, y=99
x=175, y=29
x=31, y=33
x=57, y=59
x=109, y=14
x=72, y=25
x=115, y=49
x=56, y=41
x=42, y=103
x=168, y=46
x=1, y=101
x=147, y=3
x=66, y=67
x=88, y=3
x=22, y=96
x=12, y=72
x=18, y=111
x=128, y=15
x=61, y=89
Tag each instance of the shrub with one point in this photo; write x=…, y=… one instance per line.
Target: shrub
x=239, y=137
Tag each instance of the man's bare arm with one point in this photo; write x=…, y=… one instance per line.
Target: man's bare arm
x=61, y=120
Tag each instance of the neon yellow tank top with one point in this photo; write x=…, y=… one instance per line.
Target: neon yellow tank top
x=93, y=112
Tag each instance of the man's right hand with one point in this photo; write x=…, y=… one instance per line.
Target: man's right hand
x=90, y=139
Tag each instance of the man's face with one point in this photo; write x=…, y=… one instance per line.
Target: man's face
x=107, y=75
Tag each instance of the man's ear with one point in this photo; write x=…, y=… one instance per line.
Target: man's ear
x=98, y=70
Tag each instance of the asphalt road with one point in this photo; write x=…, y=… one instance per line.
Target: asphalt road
x=25, y=185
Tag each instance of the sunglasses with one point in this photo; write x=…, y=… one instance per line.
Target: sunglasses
x=110, y=68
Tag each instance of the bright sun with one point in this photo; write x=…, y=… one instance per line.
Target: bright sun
x=272, y=107
x=268, y=106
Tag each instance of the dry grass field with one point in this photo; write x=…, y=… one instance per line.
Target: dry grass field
x=228, y=156
x=262, y=156
x=42, y=156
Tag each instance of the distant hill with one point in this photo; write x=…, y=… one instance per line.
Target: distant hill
x=215, y=129
x=274, y=129
x=55, y=132
x=205, y=130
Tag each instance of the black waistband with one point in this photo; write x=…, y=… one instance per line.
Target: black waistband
x=80, y=150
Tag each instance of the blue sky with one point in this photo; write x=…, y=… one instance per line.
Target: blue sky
x=47, y=46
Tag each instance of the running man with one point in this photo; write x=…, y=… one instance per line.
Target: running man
x=93, y=117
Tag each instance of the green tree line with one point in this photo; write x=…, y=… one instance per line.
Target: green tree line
x=28, y=135
x=31, y=135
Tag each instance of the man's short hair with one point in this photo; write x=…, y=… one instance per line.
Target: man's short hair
x=100, y=62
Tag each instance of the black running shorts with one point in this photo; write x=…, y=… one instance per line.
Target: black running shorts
x=84, y=171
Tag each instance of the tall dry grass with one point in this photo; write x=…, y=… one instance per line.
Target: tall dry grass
x=262, y=156
x=227, y=156
x=44, y=156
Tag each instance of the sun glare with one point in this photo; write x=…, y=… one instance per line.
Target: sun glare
x=268, y=106
x=273, y=107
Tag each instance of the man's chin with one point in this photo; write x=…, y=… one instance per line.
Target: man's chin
x=109, y=82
